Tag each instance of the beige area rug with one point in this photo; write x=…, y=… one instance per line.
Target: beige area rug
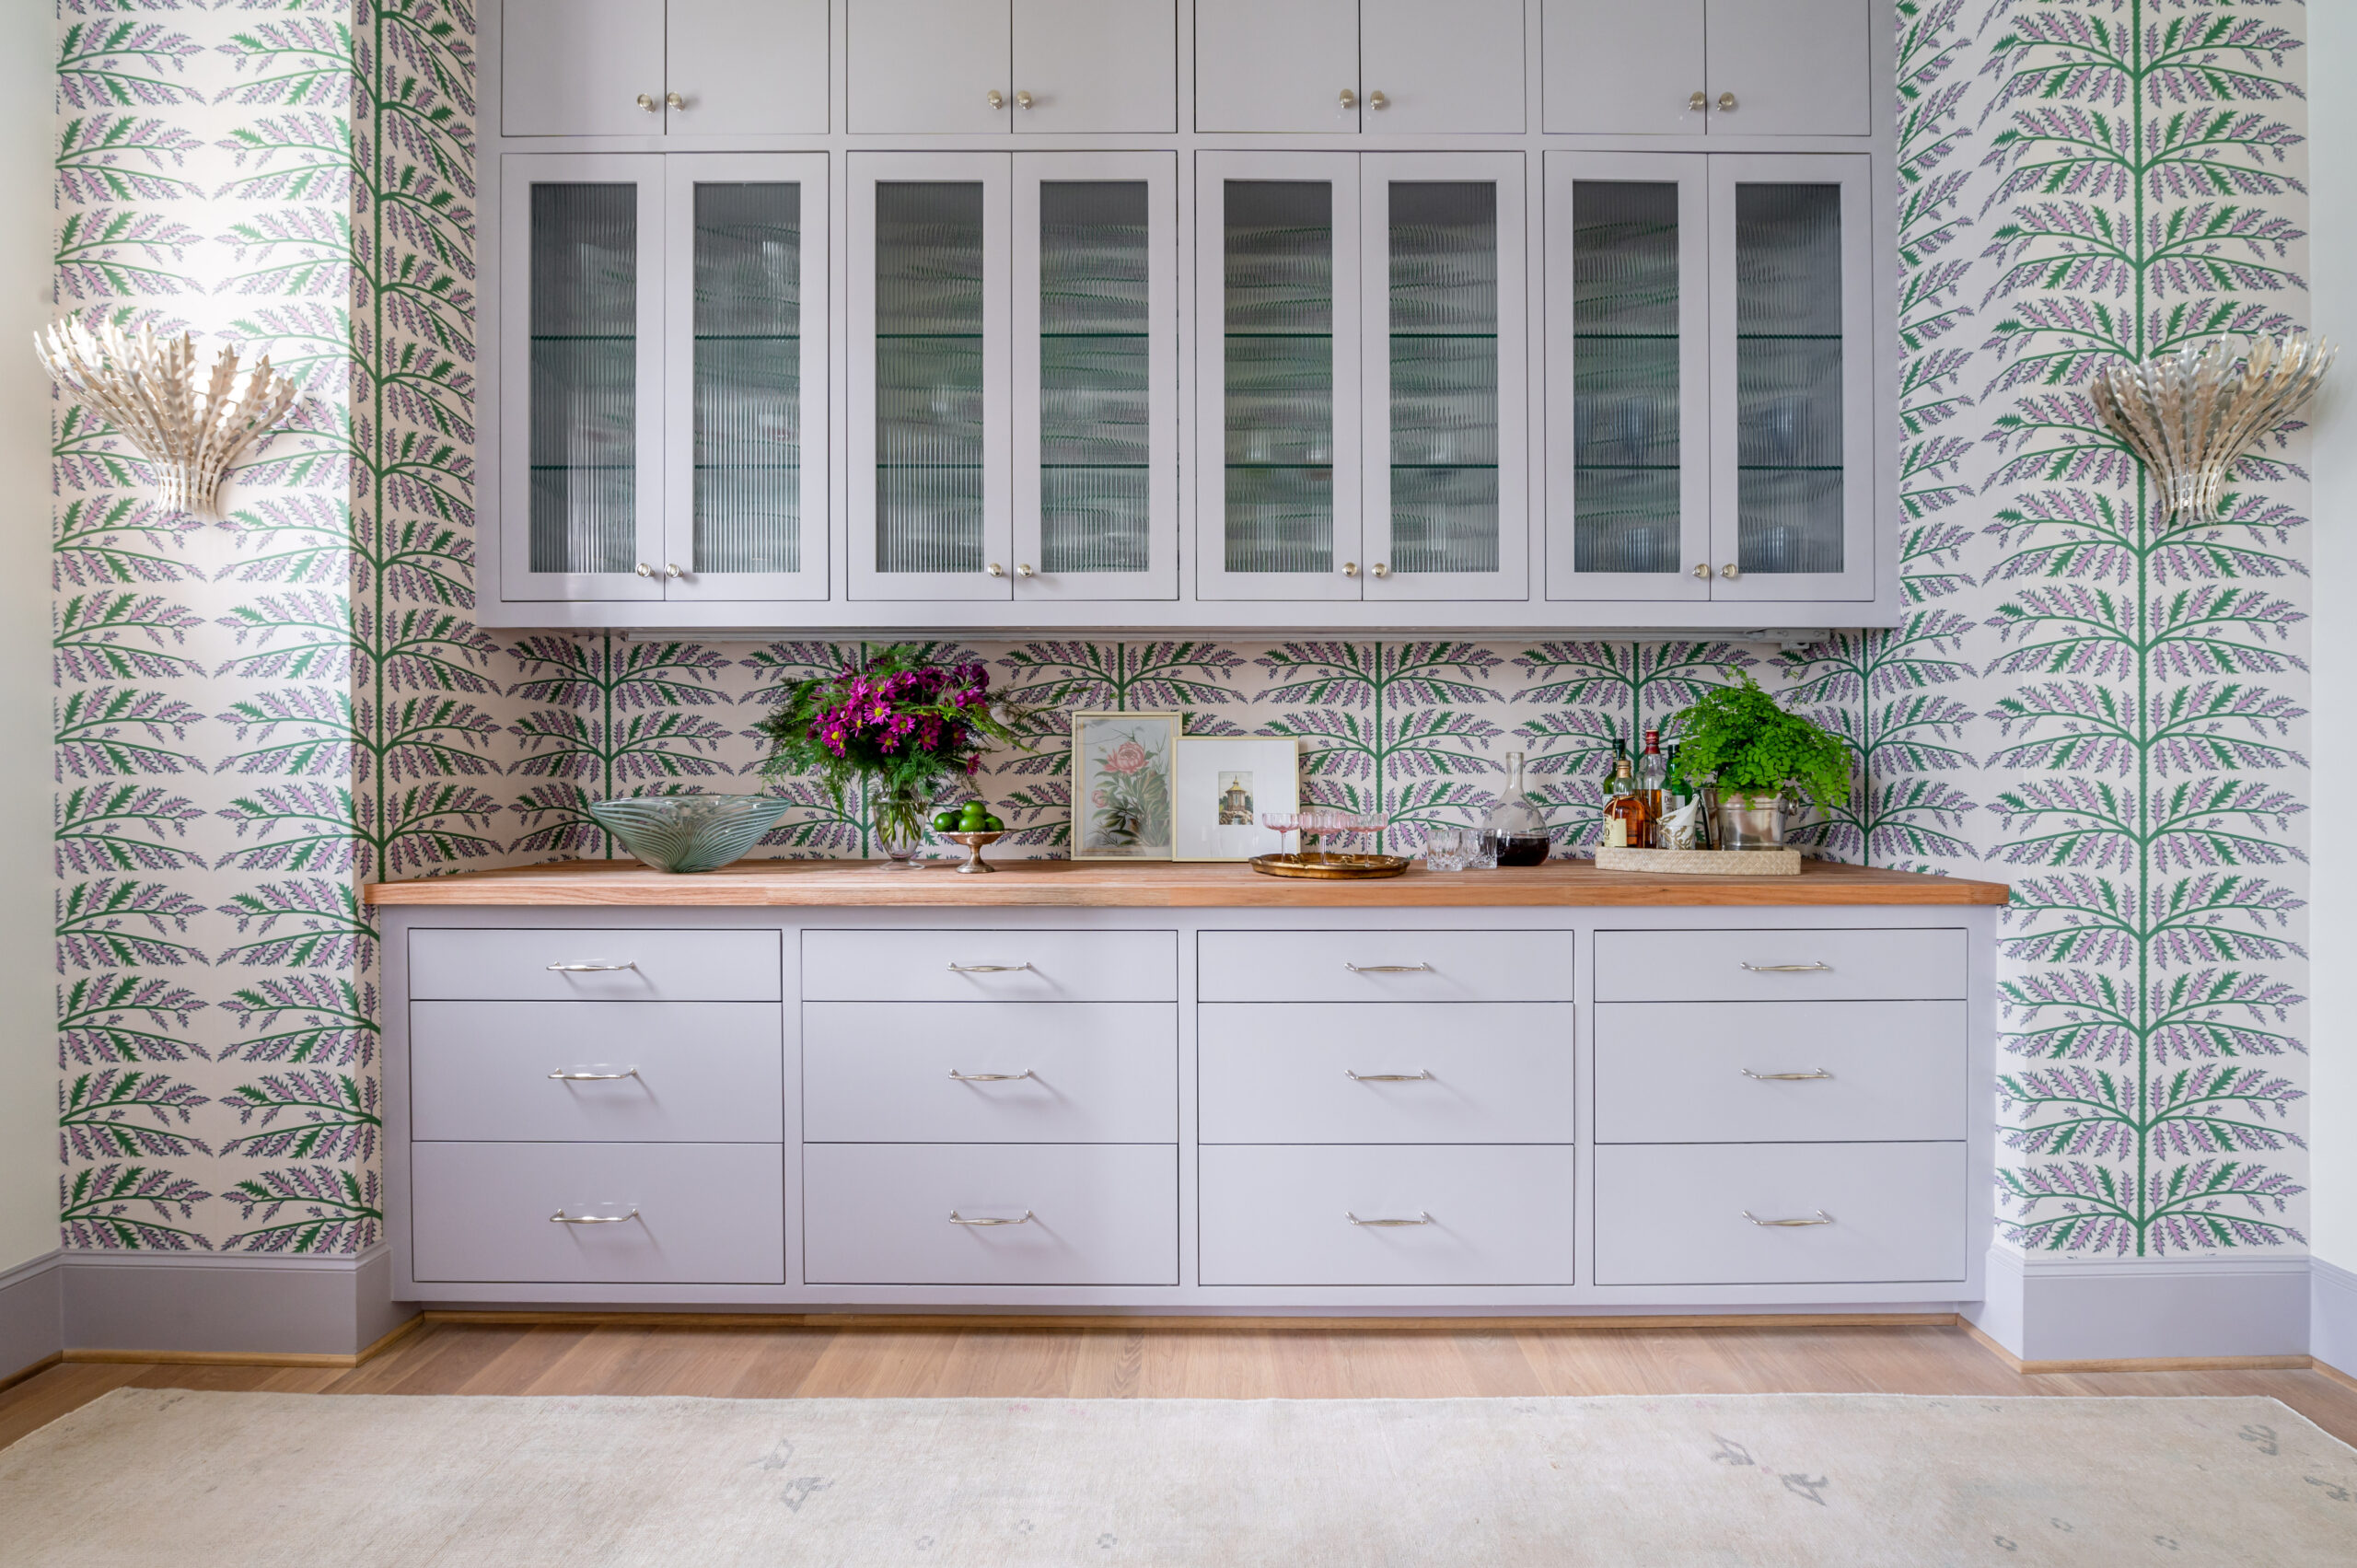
x=191, y=1480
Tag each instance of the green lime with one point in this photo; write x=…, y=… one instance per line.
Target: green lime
x=974, y=815
x=993, y=825
x=945, y=822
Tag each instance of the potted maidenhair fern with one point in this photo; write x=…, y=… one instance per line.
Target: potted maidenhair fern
x=1762, y=760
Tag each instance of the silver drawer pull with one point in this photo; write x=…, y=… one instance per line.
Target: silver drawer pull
x=1822, y=1218
x=560, y=1217
x=575, y=1075
x=989, y=1077
x=1387, y=1078
x=1387, y=969
x=956, y=1218
x=1789, y=968
x=588, y=969
x=1785, y=1077
x=988, y=969
x=1422, y=1218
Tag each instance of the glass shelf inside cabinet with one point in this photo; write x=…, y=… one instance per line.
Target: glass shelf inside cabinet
x=1627, y=482
x=929, y=501
x=1788, y=377
x=747, y=377
x=582, y=448
x=1095, y=421
x=1280, y=375
x=1444, y=283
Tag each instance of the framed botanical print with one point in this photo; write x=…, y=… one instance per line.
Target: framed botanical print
x=1121, y=766
x=1225, y=784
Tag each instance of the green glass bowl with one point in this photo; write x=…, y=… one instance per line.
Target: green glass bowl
x=688, y=832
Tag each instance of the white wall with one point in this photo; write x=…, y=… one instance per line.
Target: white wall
x=28, y=1001
x=2332, y=264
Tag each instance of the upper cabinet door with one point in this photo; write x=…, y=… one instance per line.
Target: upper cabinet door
x=1790, y=67
x=745, y=422
x=581, y=377
x=929, y=376
x=1426, y=67
x=930, y=65
x=1447, y=464
x=581, y=68
x=1792, y=378
x=1277, y=67
x=1089, y=65
x=1628, y=376
x=1613, y=67
x=1277, y=473
x=1096, y=367
x=747, y=68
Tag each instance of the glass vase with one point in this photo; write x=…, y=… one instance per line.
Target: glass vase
x=897, y=818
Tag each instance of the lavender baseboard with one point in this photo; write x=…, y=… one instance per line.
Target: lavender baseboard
x=32, y=1315
x=209, y=1304
x=2332, y=1316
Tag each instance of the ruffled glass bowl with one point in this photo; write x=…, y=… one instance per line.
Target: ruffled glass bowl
x=688, y=832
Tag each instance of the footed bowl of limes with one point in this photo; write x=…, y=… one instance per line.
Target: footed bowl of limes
x=973, y=825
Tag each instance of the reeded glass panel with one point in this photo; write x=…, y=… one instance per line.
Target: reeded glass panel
x=583, y=449
x=1624, y=375
x=1280, y=329
x=929, y=377
x=1443, y=241
x=748, y=378
x=1788, y=377
x=1095, y=422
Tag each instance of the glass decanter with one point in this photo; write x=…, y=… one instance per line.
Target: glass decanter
x=1516, y=821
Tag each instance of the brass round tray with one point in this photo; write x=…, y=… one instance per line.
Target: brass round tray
x=1330, y=865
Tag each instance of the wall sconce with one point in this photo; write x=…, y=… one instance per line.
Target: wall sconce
x=187, y=426
x=2190, y=414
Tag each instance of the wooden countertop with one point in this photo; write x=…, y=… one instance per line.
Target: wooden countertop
x=1095, y=884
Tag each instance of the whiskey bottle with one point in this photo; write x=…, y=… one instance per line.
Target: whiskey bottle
x=1627, y=824
x=1652, y=773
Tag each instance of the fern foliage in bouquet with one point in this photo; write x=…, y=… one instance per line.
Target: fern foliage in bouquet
x=1739, y=738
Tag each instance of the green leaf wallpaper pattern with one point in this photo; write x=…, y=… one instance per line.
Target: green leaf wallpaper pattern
x=254, y=718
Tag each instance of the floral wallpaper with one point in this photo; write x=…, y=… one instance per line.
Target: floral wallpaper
x=254, y=718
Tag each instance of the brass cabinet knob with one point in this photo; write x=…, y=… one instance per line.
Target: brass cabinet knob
x=673, y=572
x=995, y=98
x=1730, y=571
x=1350, y=100
x=1700, y=103
x=1726, y=101
x=1349, y=568
x=675, y=100
x=647, y=101
x=1702, y=570
x=644, y=570
x=995, y=570
x=1022, y=100
x=1376, y=100
x=1025, y=571
x=1379, y=570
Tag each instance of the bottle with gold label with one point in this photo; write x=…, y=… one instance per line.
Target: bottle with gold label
x=1627, y=823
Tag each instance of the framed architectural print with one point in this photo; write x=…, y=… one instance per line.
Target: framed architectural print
x=1121, y=766
x=1226, y=785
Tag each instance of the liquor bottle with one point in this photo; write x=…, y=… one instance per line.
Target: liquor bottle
x=1653, y=772
x=1516, y=821
x=1627, y=824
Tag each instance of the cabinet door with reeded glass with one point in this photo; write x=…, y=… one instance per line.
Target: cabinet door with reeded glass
x=1279, y=480
x=1792, y=379
x=1096, y=375
x=1447, y=485
x=1628, y=376
x=581, y=361
x=745, y=476
x=930, y=422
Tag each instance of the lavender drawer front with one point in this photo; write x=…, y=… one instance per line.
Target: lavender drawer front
x=1280, y=1072
x=1385, y=966
x=1100, y=1071
x=989, y=966
x=708, y=1213
x=1787, y=965
x=546, y=965
x=1676, y=1072
x=879, y=1213
x=705, y=1072
x=1500, y=1216
x=1673, y=1214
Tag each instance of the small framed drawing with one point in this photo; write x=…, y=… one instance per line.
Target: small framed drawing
x=1121, y=767
x=1226, y=784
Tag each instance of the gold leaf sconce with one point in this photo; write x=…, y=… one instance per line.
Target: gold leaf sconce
x=2191, y=414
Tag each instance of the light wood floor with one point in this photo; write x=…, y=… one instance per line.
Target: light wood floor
x=1162, y=1361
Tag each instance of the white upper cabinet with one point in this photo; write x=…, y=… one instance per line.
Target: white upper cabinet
x=1725, y=67
x=976, y=66
x=657, y=67
x=1408, y=68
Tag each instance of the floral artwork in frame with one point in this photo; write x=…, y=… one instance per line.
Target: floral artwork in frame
x=1121, y=768
x=1226, y=785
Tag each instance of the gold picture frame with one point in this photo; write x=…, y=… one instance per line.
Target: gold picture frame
x=1124, y=768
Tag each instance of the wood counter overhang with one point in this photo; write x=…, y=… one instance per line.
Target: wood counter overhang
x=1066, y=884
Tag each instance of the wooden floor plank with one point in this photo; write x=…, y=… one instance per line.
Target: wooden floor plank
x=1164, y=1360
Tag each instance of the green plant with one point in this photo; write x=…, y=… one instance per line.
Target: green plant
x=1738, y=738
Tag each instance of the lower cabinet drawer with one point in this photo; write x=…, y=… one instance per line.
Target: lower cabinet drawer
x=682, y=1213
x=1400, y=1073
x=1687, y=1214
x=1483, y=1215
x=1098, y=1213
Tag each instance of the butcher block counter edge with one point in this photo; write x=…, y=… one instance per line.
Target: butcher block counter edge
x=1083, y=885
